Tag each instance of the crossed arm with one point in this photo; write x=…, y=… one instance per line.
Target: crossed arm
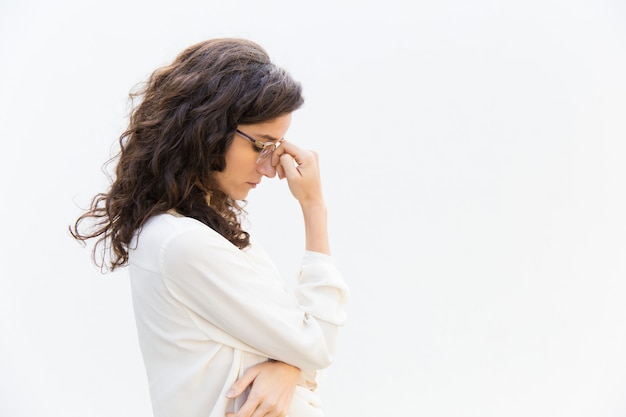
x=273, y=383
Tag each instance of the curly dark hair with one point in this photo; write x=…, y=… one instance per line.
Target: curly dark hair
x=176, y=139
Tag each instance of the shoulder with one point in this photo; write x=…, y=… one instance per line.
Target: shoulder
x=170, y=236
x=164, y=227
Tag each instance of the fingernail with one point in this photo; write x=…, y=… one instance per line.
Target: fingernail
x=230, y=393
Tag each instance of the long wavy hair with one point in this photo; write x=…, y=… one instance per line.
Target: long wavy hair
x=176, y=139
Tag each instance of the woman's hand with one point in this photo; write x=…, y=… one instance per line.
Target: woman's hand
x=272, y=385
x=301, y=168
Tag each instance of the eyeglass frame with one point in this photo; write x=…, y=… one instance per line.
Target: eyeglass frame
x=272, y=145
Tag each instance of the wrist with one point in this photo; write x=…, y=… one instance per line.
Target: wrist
x=317, y=206
x=316, y=229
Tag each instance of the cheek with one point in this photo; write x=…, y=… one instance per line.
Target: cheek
x=240, y=161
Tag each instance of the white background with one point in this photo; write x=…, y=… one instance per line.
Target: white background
x=473, y=157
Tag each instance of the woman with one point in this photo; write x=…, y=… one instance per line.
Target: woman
x=219, y=334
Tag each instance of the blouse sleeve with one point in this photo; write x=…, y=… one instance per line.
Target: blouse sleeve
x=218, y=283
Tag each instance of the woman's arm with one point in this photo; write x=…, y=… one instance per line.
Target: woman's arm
x=238, y=298
x=273, y=383
x=301, y=168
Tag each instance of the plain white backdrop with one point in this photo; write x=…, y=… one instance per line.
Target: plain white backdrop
x=473, y=158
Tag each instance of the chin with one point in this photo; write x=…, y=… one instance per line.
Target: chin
x=239, y=196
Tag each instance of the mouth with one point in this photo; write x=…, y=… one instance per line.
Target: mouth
x=252, y=184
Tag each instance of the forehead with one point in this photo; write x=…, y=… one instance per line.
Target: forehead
x=271, y=130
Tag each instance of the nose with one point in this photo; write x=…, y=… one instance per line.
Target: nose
x=265, y=167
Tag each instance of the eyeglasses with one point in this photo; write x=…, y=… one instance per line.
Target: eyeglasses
x=265, y=149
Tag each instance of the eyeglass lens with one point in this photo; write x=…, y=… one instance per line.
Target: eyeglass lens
x=267, y=152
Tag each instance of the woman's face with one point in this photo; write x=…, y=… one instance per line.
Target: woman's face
x=242, y=172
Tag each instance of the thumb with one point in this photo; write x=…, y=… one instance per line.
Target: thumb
x=287, y=163
x=242, y=383
x=281, y=171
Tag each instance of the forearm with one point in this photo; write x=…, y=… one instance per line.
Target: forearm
x=316, y=227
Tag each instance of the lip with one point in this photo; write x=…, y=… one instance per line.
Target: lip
x=252, y=184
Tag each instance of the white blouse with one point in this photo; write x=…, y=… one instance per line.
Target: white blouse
x=206, y=311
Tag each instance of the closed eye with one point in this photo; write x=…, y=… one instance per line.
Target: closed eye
x=257, y=145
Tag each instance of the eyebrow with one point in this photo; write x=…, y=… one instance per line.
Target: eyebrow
x=269, y=137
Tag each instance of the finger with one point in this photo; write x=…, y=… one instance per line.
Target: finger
x=276, y=155
x=290, y=148
x=248, y=409
x=262, y=412
x=242, y=383
x=278, y=152
x=288, y=166
x=280, y=171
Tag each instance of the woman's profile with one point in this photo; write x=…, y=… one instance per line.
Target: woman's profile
x=219, y=333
